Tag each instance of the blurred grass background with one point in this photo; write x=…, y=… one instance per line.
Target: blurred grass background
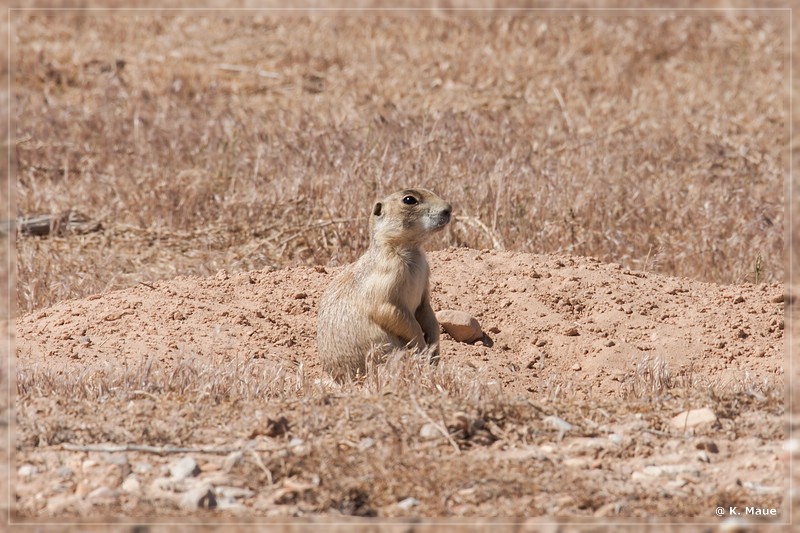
x=253, y=139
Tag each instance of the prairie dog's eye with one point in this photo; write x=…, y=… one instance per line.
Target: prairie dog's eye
x=410, y=200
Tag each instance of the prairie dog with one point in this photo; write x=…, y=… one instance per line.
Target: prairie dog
x=382, y=301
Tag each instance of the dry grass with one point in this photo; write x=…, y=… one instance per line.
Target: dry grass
x=238, y=141
x=241, y=142
x=362, y=449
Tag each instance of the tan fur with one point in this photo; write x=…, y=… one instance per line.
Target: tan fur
x=381, y=302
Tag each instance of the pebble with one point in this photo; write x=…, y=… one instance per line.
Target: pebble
x=576, y=367
x=199, y=497
x=184, y=468
x=792, y=446
x=616, y=438
x=407, y=503
x=702, y=455
x=298, y=447
x=26, y=471
x=131, y=484
x=694, y=417
x=462, y=326
x=142, y=467
x=429, y=431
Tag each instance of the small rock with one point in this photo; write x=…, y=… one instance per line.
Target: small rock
x=576, y=367
x=494, y=329
x=222, y=275
x=429, y=431
x=298, y=447
x=792, y=446
x=610, y=343
x=142, y=467
x=694, y=417
x=184, y=468
x=616, y=438
x=653, y=471
x=300, y=296
x=739, y=299
x=779, y=299
x=26, y=471
x=365, y=444
x=572, y=332
x=703, y=457
x=199, y=497
x=407, y=503
x=460, y=325
x=131, y=484
x=742, y=334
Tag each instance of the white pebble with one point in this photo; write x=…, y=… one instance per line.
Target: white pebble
x=184, y=468
x=27, y=471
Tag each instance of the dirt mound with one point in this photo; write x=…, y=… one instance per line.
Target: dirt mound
x=580, y=377
x=550, y=321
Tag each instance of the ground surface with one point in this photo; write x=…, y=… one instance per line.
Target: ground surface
x=228, y=364
x=166, y=146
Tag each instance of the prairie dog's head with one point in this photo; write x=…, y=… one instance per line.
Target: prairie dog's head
x=408, y=217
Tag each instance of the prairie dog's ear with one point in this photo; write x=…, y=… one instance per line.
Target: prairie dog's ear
x=377, y=209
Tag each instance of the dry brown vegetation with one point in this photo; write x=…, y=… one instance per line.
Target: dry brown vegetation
x=362, y=451
x=250, y=141
x=245, y=141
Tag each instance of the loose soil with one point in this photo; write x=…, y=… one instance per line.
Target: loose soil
x=611, y=352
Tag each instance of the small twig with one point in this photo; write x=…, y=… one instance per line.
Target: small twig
x=438, y=426
x=160, y=450
x=147, y=285
x=261, y=465
x=143, y=393
x=241, y=69
x=563, y=109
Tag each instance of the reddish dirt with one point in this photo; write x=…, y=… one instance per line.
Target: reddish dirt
x=544, y=316
x=567, y=338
